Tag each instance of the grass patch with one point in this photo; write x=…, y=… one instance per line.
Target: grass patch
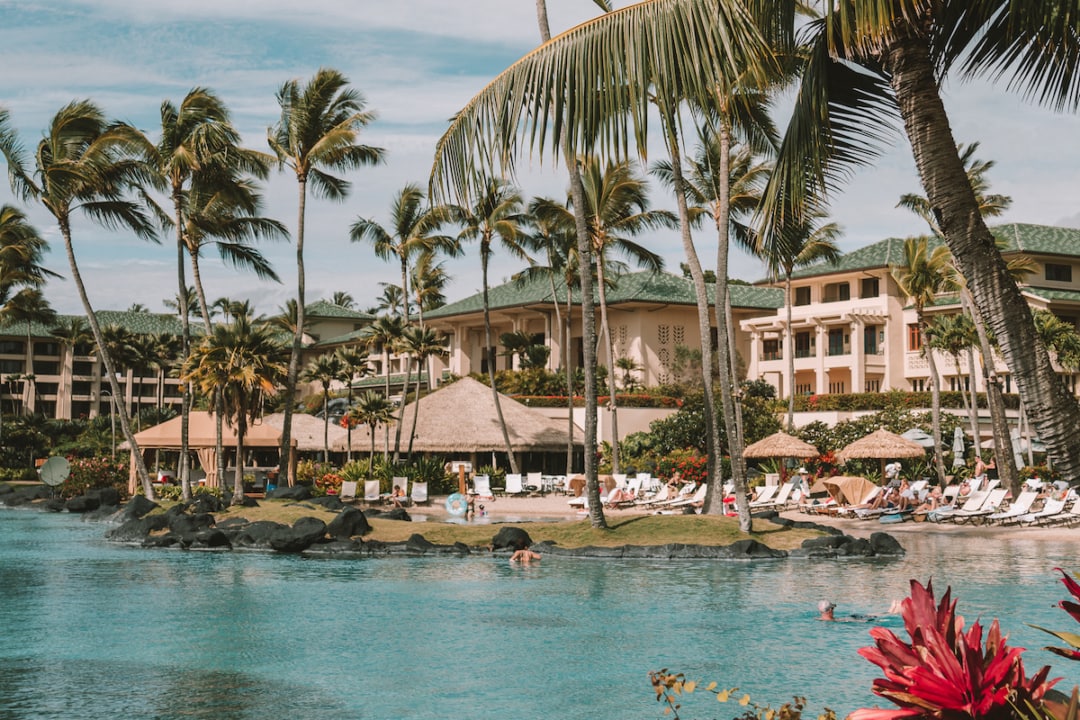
x=635, y=530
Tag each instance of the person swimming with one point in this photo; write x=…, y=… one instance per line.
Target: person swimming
x=826, y=612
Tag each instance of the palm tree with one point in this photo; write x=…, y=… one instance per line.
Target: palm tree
x=186, y=303
x=325, y=370
x=389, y=301
x=429, y=281
x=371, y=409
x=798, y=243
x=955, y=335
x=354, y=364
x=883, y=61
x=497, y=214
x=384, y=334
x=317, y=133
x=86, y=163
x=243, y=362
x=343, y=299
x=422, y=344
x=921, y=276
x=413, y=230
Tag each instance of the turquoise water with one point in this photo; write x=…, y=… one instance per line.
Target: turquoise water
x=91, y=630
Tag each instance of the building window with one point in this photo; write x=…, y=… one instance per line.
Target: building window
x=770, y=349
x=1057, y=272
x=11, y=347
x=836, y=342
x=804, y=389
x=82, y=367
x=918, y=385
x=868, y=288
x=870, y=340
x=804, y=345
x=11, y=367
x=914, y=340
x=802, y=295
x=837, y=292
x=81, y=387
x=872, y=386
x=46, y=348
x=46, y=368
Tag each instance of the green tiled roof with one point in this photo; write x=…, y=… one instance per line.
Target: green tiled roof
x=1053, y=294
x=1017, y=237
x=347, y=338
x=325, y=309
x=373, y=381
x=141, y=323
x=647, y=287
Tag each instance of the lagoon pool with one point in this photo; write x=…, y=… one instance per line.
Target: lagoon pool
x=91, y=630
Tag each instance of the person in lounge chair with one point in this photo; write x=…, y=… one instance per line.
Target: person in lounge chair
x=618, y=496
x=932, y=500
x=397, y=496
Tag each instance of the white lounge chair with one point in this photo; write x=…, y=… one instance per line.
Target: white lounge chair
x=532, y=480
x=1050, y=509
x=697, y=497
x=482, y=487
x=765, y=496
x=973, y=502
x=419, y=494
x=403, y=483
x=1020, y=506
x=514, y=484
x=779, y=500
x=348, y=491
x=371, y=492
x=1069, y=517
x=994, y=499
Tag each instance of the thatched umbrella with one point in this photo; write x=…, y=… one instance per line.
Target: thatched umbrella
x=881, y=445
x=780, y=445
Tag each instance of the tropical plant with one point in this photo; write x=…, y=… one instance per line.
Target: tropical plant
x=354, y=363
x=419, y=343
x=242, y=362
x=325, y=370
x=945, y=671
x=384, y=334
x=496, y=215
x=317, y=133
x=87, y=163
x=343, y=299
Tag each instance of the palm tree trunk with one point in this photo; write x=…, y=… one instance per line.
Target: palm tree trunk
x=605, y=338
x=714, y=496
x=416, y=408
x=185, y=351
x=326, y=423
x=348, y=427
x=974, y=402
x=1054, y=412
x=724, y=351
x=106, y=360
x=238, y=475
x=569, y=386
x=219, y=400
x=386, y=426
x=401, y=410
x=999, y=423
x=935, y=398
x=789, y=336
x=489, y=351
x=970, y=404
x=371, y=457
x=284, y=464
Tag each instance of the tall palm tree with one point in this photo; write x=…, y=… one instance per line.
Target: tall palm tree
x=371, y=409
x=429, y=281
x=325, y=370
x=414, y=229
x=496, y=215
x=389, y=301
x=84, y=162
x=243, y=362
x=318, y=133
x=617, y=208
x=341, y=298
x=888, y=61
x=354, y=363
x=955, y=335
x=384, y=334
x=420, y=343
x=798, y=243
x=922, y=275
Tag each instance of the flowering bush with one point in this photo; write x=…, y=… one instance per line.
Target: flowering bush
x=328, y=484
x=308, y=471
x=90, y=473
x=1039, y=471
x=688, y=463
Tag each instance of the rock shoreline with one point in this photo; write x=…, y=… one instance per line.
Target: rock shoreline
x=192, y=526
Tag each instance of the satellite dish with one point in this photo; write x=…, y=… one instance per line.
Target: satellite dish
x=55, y=471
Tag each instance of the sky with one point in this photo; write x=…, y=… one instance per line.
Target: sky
x=416, y=63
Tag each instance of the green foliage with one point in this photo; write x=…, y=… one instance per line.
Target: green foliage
x=671, y=687
x=691, y=465
x=91, y=473
x=496, y=475
x=308, y=471
x=894, y=399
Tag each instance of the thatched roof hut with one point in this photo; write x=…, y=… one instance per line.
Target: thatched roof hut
x=307, y=431
x=460, y=418
x=780, y=445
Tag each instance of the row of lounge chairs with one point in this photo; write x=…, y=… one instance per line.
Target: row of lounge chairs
x=416, y=495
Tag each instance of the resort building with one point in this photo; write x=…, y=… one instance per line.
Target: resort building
x=852, y=330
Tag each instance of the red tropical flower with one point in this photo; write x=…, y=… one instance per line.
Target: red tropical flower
x=945, y=672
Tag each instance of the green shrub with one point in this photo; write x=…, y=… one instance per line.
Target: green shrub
x=92, y=473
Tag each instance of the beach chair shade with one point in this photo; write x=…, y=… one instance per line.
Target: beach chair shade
x=849, y=489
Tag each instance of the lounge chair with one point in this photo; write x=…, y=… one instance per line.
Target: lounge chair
x=534, y=482
x=633, y=486
x=371, y=492
x=348, y=491
x=973, y=502
x=482, y=487
x=992, y=504
x=1050, y=509
x=1069, y=517
x=685, y=492
x=514, y=485
x=697, y=497
x=660, y=496
x=765, y=496
x=419, y=494
x=648, y=482
x=779, y=500
x=1020, y=506
x=403, y=483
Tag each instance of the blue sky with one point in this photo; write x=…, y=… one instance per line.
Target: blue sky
x=416, y=63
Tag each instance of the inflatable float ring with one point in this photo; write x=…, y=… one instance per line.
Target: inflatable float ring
x=457, y=505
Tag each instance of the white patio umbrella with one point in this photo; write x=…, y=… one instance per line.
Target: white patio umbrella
x=958, y=447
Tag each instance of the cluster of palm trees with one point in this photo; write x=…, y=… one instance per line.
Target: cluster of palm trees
x=856, y=66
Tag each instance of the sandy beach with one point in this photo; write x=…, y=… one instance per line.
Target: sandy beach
x=552, y=507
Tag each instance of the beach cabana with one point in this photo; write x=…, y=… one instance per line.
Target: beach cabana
x=848, y=489
x=460, y=419
x=881, y=445
x=780, y=445
x=202, y=440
